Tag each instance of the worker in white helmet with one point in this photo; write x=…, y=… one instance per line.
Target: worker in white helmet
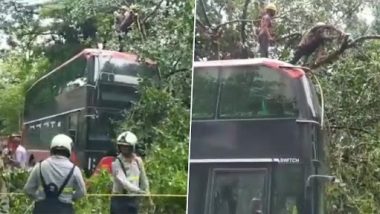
x=129, y=176
x=56, y=182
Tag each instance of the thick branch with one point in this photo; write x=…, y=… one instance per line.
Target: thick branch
x=345, y=45
x=176, y=71
x=362, y=39
x=200, y=23
x=292, y=36
x=153, y=12
x=241, y=20
x=233, y=21
x=242, y=29
x=204, y=12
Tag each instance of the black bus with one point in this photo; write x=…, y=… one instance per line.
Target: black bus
x=82, y=98
x=256, y=140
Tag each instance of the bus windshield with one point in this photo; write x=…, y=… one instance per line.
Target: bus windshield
x=249, y=91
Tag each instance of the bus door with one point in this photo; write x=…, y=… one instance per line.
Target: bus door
x=99, y=137
x=230, y=188
x=72, y=129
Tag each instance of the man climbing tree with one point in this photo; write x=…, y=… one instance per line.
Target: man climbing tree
x=315, y=40
x=266, y=29
x=124, y=21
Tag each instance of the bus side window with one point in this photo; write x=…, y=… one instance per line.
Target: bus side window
x=73, y=75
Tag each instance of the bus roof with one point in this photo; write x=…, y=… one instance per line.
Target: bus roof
x=93, y=52
x=126, y=55
x=272, y=63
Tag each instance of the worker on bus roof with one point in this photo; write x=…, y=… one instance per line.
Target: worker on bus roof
x=266, y=35
x=129, y=176
x=61, y=181
x=314, y=40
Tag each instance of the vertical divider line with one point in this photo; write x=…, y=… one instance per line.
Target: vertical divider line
x=191, y=107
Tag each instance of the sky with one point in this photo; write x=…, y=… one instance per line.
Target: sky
x=367, y=15
x=3, y=44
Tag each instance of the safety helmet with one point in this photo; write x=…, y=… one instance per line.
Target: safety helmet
x=320, y=24
x=134, y=7
x=271, y=6
x=61, y=140
x=124, y=7
x=127, y=138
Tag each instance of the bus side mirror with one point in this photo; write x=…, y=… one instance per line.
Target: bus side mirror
x=320, y=178
x=316, y=163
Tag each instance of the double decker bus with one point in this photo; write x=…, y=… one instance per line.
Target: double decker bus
x=257, y=145
x=83, y=98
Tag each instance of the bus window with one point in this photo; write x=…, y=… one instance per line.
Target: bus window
x=235, y=191
x=72, y=76
x=205, y=90
x=117, y=96
x=256, y=92
x=288, y=199
x=41, y=99
x=315, y=99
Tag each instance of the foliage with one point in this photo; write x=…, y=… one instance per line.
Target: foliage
x=162, y=124
x=44, y=36
x=238, y=21
x=350, y=82
x=353, y=122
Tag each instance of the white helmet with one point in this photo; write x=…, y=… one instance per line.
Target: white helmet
x=61, y=140
x=320, y=24
x=127, y=138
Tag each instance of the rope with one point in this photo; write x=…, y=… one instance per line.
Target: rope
x=106, y=195
x=322, y=100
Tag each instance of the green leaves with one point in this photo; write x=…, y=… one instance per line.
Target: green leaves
x=352, y=108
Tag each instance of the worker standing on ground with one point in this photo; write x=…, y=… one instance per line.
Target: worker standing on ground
x=314, y=40
x=266, y=35
x=20, y=155
x=129, y=176
x=61, y=181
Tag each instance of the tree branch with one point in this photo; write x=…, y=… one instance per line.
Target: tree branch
x=204, y=12
x=292, y=35
x=349, y=128
x=242, y=29
x=176, y=71
x=241, y=20
x=200, y=23
x=362, y=39
x=346, y=44
x=153, y=12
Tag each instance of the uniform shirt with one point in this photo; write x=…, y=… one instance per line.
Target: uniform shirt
x=133, y=180
x=55, y=169
x=266, y=25
x=21, y=156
